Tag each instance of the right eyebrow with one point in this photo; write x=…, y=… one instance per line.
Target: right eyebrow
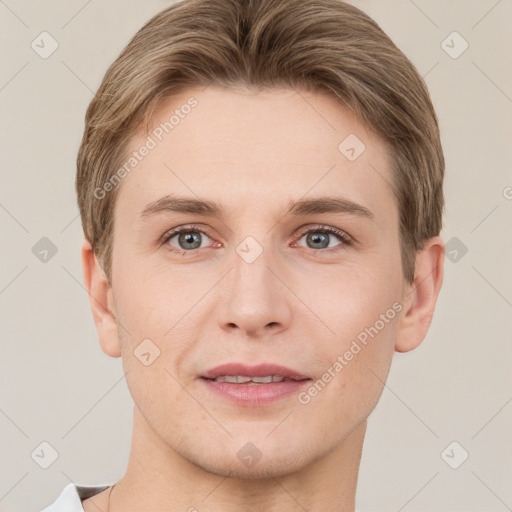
x=171, y=203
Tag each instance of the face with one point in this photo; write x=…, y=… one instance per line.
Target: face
x=295, y=262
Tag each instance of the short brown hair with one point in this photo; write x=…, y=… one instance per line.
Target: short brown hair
x=324, y=45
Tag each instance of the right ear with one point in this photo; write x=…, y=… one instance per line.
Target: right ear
x=101, y=301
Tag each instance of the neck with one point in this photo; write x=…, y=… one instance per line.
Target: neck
x=159, y=479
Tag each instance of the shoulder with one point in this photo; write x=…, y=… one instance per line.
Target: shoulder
x=70, y=499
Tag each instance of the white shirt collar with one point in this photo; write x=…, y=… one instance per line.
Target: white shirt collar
x=70, y=499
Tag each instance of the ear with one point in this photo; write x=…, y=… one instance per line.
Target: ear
x=420, y=297
x=101, y=301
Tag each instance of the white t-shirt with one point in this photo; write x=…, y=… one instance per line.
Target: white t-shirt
x=70, y=499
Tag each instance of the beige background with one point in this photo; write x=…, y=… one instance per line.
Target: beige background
x=58, y=387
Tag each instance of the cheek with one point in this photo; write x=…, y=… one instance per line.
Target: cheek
x=355, y=368
x=155, y=300
x=358, y=316
x=150, y=366
x=347, y=301
x=161, y=327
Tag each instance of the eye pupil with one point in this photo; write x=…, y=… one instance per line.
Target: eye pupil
x=319, y=238
x=192, y=238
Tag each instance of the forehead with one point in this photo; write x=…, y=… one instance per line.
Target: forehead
x=249, y=150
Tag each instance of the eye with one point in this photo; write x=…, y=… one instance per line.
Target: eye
x=320, y=238
x=188, y=238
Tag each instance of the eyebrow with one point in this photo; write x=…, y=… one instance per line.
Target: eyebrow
x=204, y=207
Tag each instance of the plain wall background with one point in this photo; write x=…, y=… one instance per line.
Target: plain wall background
x=57, y=386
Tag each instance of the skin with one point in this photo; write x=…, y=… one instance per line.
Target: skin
x=253, y=153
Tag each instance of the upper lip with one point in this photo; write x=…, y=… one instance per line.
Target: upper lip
x=261, y=370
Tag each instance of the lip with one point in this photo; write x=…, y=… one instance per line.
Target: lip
x=261, y=370
x=247, y=395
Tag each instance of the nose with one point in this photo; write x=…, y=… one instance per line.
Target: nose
x=254, y=299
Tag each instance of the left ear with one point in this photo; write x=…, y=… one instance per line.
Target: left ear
x=420, y=298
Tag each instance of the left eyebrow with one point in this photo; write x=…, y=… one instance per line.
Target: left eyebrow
x=328, y=205
x=206, y=208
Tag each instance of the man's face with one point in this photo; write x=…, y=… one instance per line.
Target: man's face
x=257, y=285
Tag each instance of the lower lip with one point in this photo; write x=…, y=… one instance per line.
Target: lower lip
x=258, y=394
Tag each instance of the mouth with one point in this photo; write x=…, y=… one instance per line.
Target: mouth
x=252, y=381
x=265, y=373
x=253, y=385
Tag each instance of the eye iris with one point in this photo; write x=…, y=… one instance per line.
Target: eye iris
x=192, y=238
x=318, y=238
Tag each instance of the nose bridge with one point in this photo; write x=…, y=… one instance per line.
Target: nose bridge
x=255, y=299
x=251, y=275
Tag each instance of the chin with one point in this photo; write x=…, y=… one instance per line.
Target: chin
x=253, y=461
x=271, y=467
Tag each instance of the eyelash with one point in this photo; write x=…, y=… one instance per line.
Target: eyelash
x=344, y=237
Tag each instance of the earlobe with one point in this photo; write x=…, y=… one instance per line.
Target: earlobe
x=420, y=300
x=102, y=302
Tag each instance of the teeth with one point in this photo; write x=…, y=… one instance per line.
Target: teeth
x=241, y=379
x=263, y=380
